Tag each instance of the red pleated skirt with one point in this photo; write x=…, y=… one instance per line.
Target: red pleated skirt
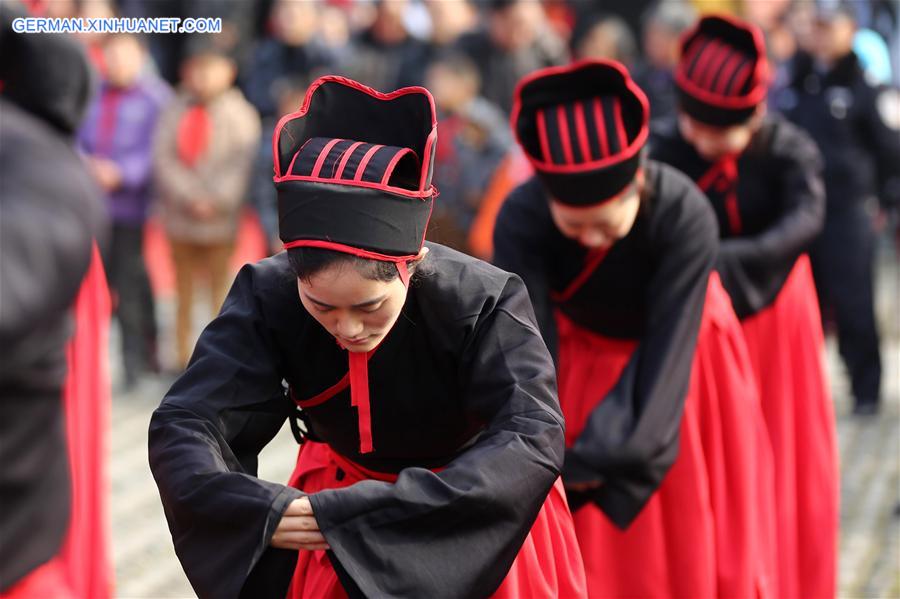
x=787, y=353
x=82, y=568
x=548, y=564
x=707, y=531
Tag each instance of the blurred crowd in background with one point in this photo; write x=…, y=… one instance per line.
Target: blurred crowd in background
x=179, y=134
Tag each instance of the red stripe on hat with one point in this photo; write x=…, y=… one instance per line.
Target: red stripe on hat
x=687, y=61
x=727, y=71
x=620, y=125
x=581, y=130
x=740, y=79
x=393, y=162
x=699, y=72
x=345, y=158
x=322, y=156
x=564, y=134
x=601, y=127
x=542, y=135
x=365, y=162
x=715, y=66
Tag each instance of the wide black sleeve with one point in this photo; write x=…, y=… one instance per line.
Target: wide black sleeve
x=519, y=247
x=631, y=438
x=455, y=533
x=204, y=439
x=754, y=267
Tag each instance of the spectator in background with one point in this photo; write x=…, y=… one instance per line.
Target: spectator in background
x=517, y=41
x=385, y=56
x=204, y=151
x=117, y=137
x=262, y=194
x=474, y=139
x=294, y=51
x=604, y=36
x=663, y=24
x=449, y=22
x=857, y=127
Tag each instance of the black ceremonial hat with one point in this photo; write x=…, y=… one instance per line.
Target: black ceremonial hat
x=723, y=74
x=582, y=127
x=353, y=170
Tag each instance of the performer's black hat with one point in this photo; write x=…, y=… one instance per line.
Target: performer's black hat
x=723, y=73
x=353, y=170
x=582, y=127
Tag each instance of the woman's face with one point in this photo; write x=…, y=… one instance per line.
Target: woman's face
x=713, y=143
x=359, y=312
x=599, y=227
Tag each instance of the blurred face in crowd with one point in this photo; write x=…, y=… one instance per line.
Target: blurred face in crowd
x=516, y=26
x=452, y=88
x=450, y=19
x=661, y=47
x=124, y=57
x=832, y=38
x=388, y=26
x=295, y=22
x=356, y=310
x=609, y=39
x=713, y=143
x=600, y=226
x=209, y=75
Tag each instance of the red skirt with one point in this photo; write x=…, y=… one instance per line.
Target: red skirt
x=786, y=350
x=548, y=565
x=82, y=567
x=707, y=531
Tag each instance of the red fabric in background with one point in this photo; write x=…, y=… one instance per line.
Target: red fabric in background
x=87, y=401
x=548, y=565
x=251, y=246
x=707, y=531
x=82, y=568
x=787, y=352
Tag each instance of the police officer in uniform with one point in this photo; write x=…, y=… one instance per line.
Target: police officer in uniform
x=856, y=124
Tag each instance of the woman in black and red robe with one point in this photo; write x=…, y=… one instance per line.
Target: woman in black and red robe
x=763, y=178
x=666, y=446
x=433, y=437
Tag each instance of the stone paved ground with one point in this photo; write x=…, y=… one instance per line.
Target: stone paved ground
x=146, y=566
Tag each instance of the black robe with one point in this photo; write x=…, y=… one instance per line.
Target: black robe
x=463, y=381
x=650, y=287
x=780, y=206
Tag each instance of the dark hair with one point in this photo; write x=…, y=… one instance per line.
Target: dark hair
x=307, y=262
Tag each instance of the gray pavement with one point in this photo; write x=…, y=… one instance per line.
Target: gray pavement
x=146, y=566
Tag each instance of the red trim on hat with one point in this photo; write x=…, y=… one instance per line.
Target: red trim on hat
x=715, y=66
x=357, y=177
x=565, y=137
x=422, y=195
x=601, y=127
x=581, y=130
x=542, y=135
x=347, y=249
x=345, y=158
x=700, y=69
x=320, y=160
x=403, y=273
x=626, y=154
x=728, y=70
x=620, y=125
x=426, y=158
x=740, y=79
x=304, y=108
x=393, y=162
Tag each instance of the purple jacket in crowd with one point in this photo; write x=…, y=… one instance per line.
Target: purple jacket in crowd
x=120, y=126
